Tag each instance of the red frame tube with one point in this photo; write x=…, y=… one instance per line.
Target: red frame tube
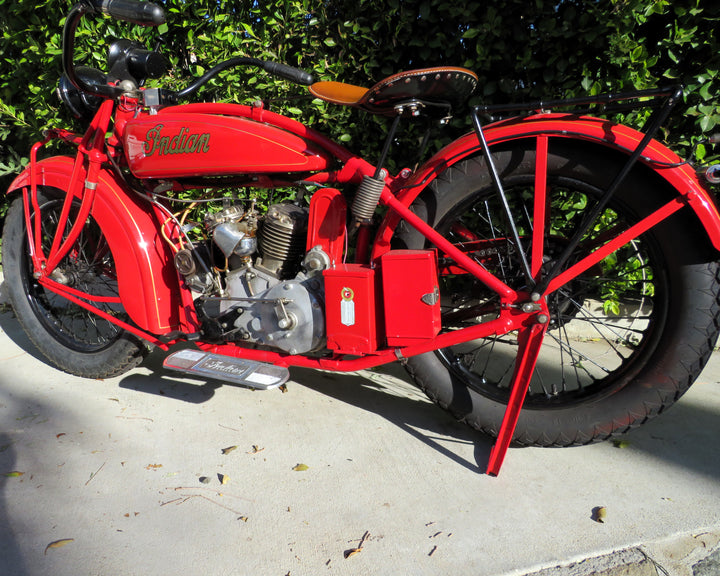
x=509, y=319
x=506, y=293
x=539, y=216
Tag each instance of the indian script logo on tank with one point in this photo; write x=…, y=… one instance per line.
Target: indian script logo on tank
x=183, y=142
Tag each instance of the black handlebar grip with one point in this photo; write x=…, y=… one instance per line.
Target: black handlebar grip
x=141, y=13
x=289, y=73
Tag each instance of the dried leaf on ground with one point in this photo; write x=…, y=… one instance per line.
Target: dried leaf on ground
x=228, y=449
x=255, y=449
x=153, y=466
x=599, y=513
x=300, y=467
x=224, y=478
x=58, y=543
x=619, y=443
x=13, y=474
x=353, y=551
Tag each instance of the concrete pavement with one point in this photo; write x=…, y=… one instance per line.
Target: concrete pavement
x=127, y=476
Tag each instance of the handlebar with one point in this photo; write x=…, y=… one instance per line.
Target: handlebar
x=150, y=14
x=283, y=70
x=140, y=13
x=288, y=72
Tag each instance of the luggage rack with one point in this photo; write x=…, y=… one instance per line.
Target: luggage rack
x=610, y=102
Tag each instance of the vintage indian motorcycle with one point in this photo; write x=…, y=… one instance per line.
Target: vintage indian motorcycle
x=552, y=262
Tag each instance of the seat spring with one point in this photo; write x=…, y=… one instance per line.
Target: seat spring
x=367, y=198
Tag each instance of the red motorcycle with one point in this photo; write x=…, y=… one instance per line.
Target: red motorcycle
x=551, y=261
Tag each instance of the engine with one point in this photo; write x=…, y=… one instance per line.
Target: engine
x=268, y=292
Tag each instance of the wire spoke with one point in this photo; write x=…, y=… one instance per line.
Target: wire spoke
x=598, y=320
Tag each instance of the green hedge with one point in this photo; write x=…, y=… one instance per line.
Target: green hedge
x=520, y=49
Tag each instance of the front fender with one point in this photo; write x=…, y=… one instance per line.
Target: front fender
x=656, y=157
x=147, y=279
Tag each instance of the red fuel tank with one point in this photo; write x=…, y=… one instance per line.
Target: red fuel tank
x=178, y=145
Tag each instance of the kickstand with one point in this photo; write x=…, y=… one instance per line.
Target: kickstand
x=530, y=341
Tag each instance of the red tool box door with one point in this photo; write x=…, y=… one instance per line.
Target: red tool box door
x=350, y=297
x=411, y=296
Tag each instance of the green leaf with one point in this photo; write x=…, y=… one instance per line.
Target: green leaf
x=705, y=92
x=14, y=474
x=707, y=123
x=700, y=152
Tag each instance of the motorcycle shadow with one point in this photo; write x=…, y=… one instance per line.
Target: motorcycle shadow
x=387, y=392
x=161, y=382
x=12, y=329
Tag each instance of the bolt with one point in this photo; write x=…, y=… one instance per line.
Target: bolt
x=542, y=318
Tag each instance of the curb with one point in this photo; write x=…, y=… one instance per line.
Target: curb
x=696, y=554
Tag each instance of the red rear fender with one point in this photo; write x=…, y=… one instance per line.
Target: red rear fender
x=594, y=130
x=147, y=278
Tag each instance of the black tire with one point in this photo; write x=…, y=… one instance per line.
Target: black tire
x=639, y=363
x=69, y=336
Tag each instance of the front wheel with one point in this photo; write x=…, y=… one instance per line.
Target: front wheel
x=625, y=339
x=72, y=338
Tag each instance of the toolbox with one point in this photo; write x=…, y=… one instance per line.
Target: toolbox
x=411, y=296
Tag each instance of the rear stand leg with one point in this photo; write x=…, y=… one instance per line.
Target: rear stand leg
x=529, y=343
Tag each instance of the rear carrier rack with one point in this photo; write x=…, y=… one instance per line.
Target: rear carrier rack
x=611, y=102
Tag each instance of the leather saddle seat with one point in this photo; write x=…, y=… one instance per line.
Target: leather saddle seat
x=434, y=88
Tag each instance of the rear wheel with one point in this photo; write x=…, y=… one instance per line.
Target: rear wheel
x=69, y=336
x=626, y=338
